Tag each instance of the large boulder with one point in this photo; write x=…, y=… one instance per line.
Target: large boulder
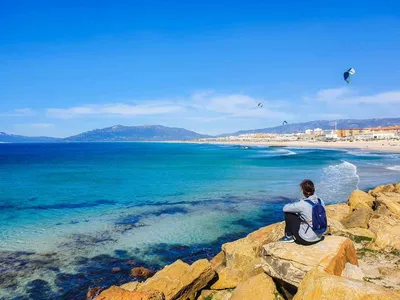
x=359, y=199
x=336, y=228
x=386, y=226
x=260, y=287
x=117, y=293
x=381, y=189
x=219, y=261
x=291, y=262
x=180, y=281
x=240, y=260
x=391, y=201
x=357, y=235
x=321, y=285
x=240, y=253
x=215, y=295
x=358, y=218
x=337, y=212
x=229, y=278
x=267, y=234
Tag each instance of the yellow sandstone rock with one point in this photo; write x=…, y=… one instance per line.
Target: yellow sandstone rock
x=260, y=287
x=240, y=259
x=117, y=293
x=358, y=218
x=320, y=285
x=180, y=281
x=130, y=286
x=218, y=262
x=268, y=234
x=337, y=212
x=387, y=230
x=391, y=200
x=291, y=262
x=382, y=188
x=360, y=199
x=230, y=278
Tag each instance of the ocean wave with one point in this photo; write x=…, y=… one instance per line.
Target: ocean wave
x=361, y=153
x=394, y=168
x=338, y=181
x=365, y=153
x=277, y=152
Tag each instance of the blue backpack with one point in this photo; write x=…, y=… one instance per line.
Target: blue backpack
x=319, y=222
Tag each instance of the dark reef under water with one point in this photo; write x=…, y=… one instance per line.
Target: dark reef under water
x=98, y=270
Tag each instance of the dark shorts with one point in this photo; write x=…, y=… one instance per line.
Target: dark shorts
x=292, y=229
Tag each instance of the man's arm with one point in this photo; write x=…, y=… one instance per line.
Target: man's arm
x=293, y=208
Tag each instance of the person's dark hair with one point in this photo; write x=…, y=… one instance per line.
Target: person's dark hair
x=307, y=187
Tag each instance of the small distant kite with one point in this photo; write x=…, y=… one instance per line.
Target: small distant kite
x=260, y=104
x=284, y=123
x=347, y=75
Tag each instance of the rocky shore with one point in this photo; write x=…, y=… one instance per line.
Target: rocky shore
x=358, y=259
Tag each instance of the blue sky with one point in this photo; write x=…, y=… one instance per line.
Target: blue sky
x=68, y=67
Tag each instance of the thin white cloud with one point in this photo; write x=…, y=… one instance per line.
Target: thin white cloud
x=20, y=112
x=116, y=109
x=382, y=98
x=350, y=96
x=236, y=105
x=332, y=94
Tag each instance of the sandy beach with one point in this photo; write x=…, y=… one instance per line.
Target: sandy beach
x=386, y=146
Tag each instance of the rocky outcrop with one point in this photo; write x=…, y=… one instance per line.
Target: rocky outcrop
x=267, y=234
x=241, y=259
x=359, y=199
x=229, y=278
x=260, y=287
x=117, y=293
x=386, y=226
x=291, y=262
x=358, y=218
x=250, y=268
x=337, y=212
x=381, y=189
x=180, y=281
x=321, y=285
x=391, y=201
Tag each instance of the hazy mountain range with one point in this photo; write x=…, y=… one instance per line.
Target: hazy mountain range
x=136, y=133
x=326, y=125
x=162, y=133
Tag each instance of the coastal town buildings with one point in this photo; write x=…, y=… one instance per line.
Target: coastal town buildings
x=318, y=134
x=389, y=132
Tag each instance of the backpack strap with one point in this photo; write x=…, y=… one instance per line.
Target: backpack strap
x=310, y=202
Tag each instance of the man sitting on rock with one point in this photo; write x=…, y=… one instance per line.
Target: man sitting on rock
x=305, y=219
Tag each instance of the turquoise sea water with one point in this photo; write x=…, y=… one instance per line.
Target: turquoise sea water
x=72, y=212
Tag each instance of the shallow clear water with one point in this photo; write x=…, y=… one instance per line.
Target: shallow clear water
x=72, y=212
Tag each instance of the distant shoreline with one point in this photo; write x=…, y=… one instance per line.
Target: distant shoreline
x=385, y=146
